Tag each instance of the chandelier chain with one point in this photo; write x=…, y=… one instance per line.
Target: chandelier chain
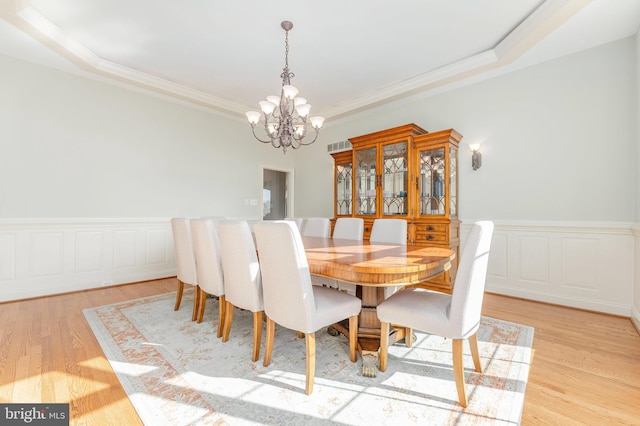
x=286, y=75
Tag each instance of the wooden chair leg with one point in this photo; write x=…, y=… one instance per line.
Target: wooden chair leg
x=268, y=347
x=222, y=312
x=228, y=319
x=202, y=303
x=257, y=335
x=384, y=345
x=353, y=337
x=310, y=340
x=475, y=354
x=179, y=295
x=458, y=370
x=196, y=299
x=408, y=337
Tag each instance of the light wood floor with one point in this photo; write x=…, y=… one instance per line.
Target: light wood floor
x=586, y=367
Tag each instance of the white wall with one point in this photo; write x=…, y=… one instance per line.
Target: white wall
x=75, y=147
x=556, y=140
x=90, y=174
x=559, y=145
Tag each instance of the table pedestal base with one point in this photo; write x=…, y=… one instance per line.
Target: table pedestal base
x=369, y=347
x=369, y=363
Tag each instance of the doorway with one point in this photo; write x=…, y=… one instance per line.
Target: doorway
x=276, y=189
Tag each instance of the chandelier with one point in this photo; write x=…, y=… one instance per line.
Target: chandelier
x=286, y=116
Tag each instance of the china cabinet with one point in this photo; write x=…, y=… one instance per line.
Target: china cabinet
x=404, y=172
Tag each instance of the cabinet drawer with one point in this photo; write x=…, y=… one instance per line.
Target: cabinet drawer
x=422, y=237
x=432, y=227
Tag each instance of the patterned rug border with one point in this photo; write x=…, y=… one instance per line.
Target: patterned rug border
x=193, y=406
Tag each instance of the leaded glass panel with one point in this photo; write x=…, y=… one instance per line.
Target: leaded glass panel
x=343, y=189
x=365, y=202
x=394, y=179
x=432, y=182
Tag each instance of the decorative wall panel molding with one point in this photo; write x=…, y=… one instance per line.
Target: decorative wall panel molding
x=583, y=265
x=49, y=256
x=588, y=266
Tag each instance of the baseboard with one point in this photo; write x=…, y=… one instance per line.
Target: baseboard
x=31, y=294
x=635, y=320
x=554, y=299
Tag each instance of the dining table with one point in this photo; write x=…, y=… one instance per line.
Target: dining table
x=371, y=267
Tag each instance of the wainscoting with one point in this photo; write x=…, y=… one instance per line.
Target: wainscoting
x=41, y=257
x=583, y=265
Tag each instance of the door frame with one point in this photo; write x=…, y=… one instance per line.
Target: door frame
x=289, y=191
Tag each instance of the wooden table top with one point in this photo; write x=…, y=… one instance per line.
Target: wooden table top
x=375, y=265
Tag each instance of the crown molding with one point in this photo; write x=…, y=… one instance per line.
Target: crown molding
x=545, y=19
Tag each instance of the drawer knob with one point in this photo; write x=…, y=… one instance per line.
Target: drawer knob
x=429, y=228
x=429, y=237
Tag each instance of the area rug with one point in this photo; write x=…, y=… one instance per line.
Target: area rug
x=177, y=372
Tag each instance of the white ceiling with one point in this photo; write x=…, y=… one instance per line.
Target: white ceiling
x=346, y=55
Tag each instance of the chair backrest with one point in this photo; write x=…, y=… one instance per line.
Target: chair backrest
x=242, y=279
x=298, y=220
x=288, y=295
x=349, y=228
x=216, y=220
x=468, y=289
x=183, y=248
x=391, y=231
x=206, y=246
x=317, y=227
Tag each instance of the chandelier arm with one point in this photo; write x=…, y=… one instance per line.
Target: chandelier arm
x=253, y=130
x=302, y=143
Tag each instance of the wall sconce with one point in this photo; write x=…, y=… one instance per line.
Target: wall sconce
x=476, y=157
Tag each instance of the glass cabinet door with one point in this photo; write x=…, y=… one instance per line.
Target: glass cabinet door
x=394, y=179
x=343, y=189
x=431, y=182
x=365, y=181
x=453, y=182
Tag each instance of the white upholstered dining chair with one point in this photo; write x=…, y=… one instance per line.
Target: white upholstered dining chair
x=455, y=316
x=289, y=298
x=185, y=261
x=298, y=220
x=389, y=231
x=206, y=246
x=349, y=228
x=242, y=278
x=317, y=227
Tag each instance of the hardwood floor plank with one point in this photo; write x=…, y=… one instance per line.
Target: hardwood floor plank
x=586, y=368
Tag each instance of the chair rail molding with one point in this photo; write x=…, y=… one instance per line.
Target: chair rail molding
x=40, y=257
x=586, y=265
